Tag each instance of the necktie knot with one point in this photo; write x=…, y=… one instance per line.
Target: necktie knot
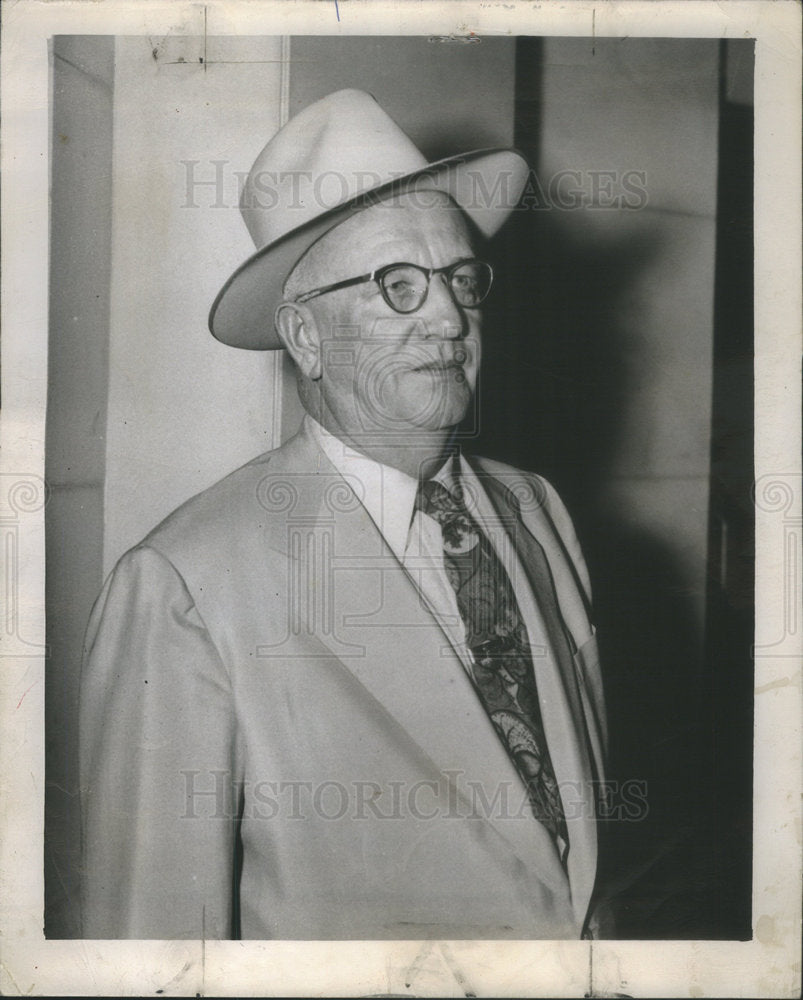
x=448, y=508
x=434, y=499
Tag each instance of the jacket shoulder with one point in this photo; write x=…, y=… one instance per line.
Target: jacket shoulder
x=529, y=489
x=231, y=522
x=539, y=504
x=233, y=500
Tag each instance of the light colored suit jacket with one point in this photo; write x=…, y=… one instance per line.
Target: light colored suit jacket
x=277, y=740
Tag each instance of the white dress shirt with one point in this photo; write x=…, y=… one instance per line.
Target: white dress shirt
x=416, y=539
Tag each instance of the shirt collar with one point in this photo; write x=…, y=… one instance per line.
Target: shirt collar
x=388, y=494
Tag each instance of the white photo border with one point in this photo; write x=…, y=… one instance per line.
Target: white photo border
x=769, y=964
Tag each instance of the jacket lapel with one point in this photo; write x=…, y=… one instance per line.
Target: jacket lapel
x=565, y=721
x=379, y=629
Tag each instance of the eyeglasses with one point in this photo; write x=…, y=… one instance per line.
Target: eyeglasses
x=405, y=286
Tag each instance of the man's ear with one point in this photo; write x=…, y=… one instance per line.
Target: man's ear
x=298, y=331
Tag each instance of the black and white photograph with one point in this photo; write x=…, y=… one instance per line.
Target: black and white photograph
x=402, y=511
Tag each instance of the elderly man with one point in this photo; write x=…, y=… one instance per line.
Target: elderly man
x=352, y=690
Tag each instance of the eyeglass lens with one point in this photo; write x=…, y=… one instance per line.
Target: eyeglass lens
x=405, y=287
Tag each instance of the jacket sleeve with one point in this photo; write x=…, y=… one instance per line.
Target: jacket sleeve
x=157, y=762
x=587, y=657
x=565, y=529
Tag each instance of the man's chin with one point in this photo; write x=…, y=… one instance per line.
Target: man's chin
x=438, y=418
x=417, y=405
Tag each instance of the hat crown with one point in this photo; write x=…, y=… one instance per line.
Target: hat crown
x=331, y=152
x=333, y=159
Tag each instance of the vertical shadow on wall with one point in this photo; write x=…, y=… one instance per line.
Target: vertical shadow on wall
x=555, y=375
x=553, y=382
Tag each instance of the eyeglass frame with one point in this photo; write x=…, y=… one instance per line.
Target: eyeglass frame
x=380, y=272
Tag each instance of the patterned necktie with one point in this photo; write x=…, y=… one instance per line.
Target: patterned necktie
x=502, y=667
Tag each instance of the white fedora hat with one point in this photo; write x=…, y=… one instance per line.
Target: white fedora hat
x=335, y=158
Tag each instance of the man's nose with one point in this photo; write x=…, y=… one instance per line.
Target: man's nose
x=442, y=316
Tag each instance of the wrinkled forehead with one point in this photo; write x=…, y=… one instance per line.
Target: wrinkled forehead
x=424, y=227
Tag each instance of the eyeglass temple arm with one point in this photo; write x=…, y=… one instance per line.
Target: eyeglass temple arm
x=333, y=288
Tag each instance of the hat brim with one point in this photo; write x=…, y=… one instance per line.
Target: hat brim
x=242, y=314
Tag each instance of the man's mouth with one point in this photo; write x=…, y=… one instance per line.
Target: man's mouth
x=444, y=365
